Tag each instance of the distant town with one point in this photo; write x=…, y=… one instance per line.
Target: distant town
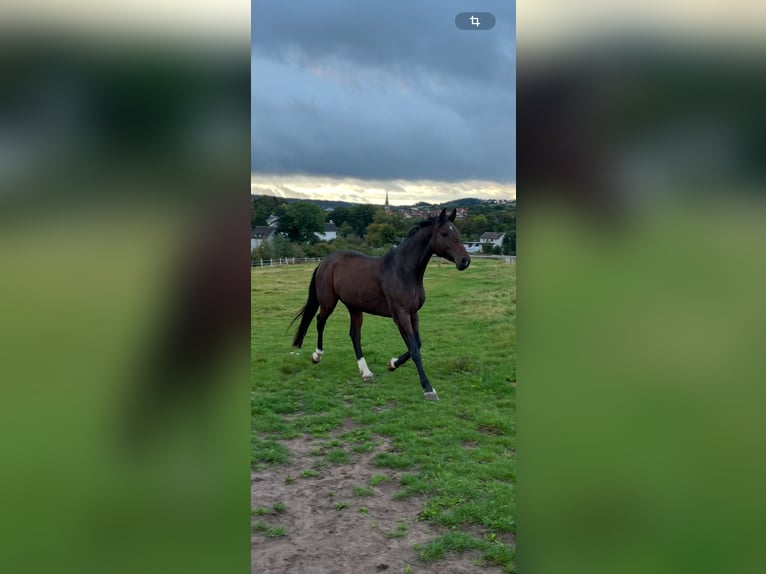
x=284, y=228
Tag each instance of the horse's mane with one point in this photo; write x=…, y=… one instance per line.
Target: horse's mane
x=430, y=220
x=425, y=223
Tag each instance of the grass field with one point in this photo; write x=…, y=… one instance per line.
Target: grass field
x=454, y=457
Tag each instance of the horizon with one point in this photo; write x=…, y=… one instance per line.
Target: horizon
x=401, y=193
x=498, y=200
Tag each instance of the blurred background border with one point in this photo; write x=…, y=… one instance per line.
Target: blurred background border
x=124, y=289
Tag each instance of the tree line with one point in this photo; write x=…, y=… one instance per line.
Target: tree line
x=364, y=227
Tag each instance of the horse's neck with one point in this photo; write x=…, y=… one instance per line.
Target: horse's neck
x=413, y=256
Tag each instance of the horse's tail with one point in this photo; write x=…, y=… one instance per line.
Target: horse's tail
x=307, y=312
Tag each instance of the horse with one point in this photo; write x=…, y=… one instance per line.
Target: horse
x=387, y=286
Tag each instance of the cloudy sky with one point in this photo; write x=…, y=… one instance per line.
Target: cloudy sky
x=354, y=98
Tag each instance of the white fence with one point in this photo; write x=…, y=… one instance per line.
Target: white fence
x=283, y=261
x=509, y=259
x=257, y=263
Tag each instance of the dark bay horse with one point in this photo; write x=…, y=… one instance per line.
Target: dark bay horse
x=388, y=286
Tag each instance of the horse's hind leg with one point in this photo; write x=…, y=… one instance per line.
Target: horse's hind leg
x=324, y=314
x=355, y=332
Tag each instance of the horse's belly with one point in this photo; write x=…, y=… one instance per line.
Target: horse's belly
x=379, y=311
x=372, y=304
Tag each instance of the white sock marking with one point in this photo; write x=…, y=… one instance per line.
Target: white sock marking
x=364, y=369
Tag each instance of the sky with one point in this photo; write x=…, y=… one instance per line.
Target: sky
x=353, y=98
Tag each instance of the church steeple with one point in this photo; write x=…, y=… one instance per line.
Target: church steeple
x=388, y=207
x=386, y=198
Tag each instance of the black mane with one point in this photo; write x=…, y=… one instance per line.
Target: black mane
x=425, y=223
x=430, y=220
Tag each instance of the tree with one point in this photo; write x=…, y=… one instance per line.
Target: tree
x=339, y=215
x=396, y=220
x=354, y=219
x=319, y=249
x=474, y=225
x=301, y=221
x=509, y=243
x=263, y=251
x=381, y=234
x=487, y=248
x=340, y=243
x=345, y=230
x=282, y=247
x=362, y=216
x=264, y=205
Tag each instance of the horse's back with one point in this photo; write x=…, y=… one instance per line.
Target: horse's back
x=346, y=255
x=347, y=261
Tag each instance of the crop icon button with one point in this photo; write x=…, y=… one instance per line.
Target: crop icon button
x=475, y=21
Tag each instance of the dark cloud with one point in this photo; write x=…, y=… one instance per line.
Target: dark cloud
x=382, y=90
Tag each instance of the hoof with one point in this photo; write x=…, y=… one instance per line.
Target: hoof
x=367, y=377
x=391, y=365
x=315, y=358
x=431, y=396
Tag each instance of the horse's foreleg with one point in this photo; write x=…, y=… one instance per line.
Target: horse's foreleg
x=396, y=362
x=412, y=339
x=355, y=332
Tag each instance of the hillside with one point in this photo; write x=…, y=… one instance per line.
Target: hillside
x=328, y=204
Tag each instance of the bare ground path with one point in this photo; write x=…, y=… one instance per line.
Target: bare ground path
x=326, y=533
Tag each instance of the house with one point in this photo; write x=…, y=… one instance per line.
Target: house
x=330, y=232
x=472, y=246
x=259, y=234
x=493, y=237
x=415, y=213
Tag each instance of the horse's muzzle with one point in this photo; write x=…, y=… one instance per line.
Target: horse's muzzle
x=463, y=263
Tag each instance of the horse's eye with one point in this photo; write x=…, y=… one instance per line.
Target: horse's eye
x=444, y=234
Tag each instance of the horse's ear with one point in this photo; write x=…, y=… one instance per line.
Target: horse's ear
x=442, y=215
x=453, y=215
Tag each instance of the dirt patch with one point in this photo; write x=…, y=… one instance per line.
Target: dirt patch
x=326, y=533
x=491, y=430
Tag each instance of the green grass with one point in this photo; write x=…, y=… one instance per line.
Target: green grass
x=266, y=452
x=338, y=456
x=376, y=479
x=400, y=531
x=363, y=491
x=458, y=454
x=492, y=551
x=271, y=532
x=277, y=508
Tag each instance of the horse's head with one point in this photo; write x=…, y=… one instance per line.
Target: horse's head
x=446, y=242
